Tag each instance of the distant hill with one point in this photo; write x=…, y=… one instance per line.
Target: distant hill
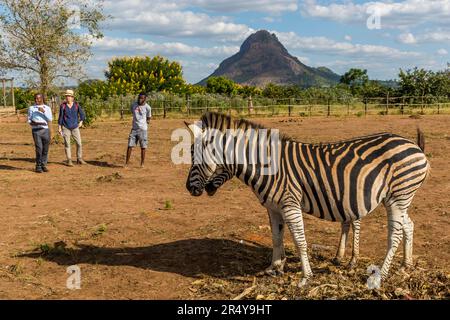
x=263, y=59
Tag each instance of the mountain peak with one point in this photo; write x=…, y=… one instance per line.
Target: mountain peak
x=261, y=38
x=263, y=59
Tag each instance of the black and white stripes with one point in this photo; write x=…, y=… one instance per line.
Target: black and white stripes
x=342, y=181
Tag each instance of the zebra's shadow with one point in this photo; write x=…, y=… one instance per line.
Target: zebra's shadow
x=221, y=258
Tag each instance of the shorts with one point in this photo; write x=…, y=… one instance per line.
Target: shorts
x=137, y=135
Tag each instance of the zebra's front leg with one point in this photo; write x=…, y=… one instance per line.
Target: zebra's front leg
x=345, y=227
x=294, y=220
x=278, y=255
x=356, y=226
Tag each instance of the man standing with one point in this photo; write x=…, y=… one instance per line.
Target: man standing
x=39, y=117
x=141, y=118
x=71, y=117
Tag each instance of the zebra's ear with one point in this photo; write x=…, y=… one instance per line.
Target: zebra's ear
x=188, y=126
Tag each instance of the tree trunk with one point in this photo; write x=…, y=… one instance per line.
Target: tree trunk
x=44, y=77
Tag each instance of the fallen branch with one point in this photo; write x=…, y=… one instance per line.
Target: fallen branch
x=245, y=293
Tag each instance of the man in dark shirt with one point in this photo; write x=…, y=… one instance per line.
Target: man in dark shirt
x=71, y=117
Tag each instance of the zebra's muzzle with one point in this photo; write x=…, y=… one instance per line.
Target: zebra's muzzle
x=210, y=189
x=196, y=192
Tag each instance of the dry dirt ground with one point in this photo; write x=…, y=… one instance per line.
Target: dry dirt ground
x=138, y=234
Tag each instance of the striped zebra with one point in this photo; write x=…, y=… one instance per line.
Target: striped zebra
x=219, y=179
x=342, y=181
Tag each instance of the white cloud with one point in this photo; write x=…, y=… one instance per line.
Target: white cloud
x=407, y=38
x=348, y=38
x=401, y=14
x=167, y=19
x=328, y=46
x=442, y=52
x=437, y=36
x=271, y=6
x=172, y=49
x=269, y=19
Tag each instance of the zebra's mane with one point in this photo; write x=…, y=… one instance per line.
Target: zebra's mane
x=222, y=122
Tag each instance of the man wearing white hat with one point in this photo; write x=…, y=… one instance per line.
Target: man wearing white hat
x=71, y=117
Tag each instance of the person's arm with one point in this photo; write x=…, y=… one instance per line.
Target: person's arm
x=60, y=119
x=30, y=112
x=30, y=118
x=82, y=115
x=149, y=114
x=48, y=114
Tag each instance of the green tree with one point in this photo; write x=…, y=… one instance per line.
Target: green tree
x=356, y=79
x=272, y=90
x=38, y=39
x=23, y=98
x=416, y=82
x=221, y=85
x=134, y=74
x=248, y=91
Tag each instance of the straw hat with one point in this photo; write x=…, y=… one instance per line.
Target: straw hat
x=69, y=93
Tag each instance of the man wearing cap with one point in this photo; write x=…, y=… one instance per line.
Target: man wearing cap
x=71, y=117
x=39, y=117
x=142, y=113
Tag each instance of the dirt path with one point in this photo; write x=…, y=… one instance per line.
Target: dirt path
x=137, y=233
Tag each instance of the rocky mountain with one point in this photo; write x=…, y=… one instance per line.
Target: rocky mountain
x=263, y=59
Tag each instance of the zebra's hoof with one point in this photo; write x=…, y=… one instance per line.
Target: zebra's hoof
x=336, y=261
x=406, y=266
x=351, y=264
x=303, y=282
x=274, y=272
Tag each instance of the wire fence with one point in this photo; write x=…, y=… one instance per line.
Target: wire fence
x=184, y=107
x=189, y=107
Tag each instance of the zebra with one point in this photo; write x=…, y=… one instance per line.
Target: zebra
x=221, y=178
x=342, y=181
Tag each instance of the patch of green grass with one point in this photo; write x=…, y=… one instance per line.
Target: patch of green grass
x=100, y=230
x=58, y=248
x=168, y=205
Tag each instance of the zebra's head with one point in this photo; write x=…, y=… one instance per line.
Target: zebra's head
x=204, y=167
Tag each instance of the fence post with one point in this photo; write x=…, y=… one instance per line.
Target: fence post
x=365, y=106
x=121, y=108
x=387, y=103
x=12, y=94
x=402, y=109
x=328, y=107
x=439, y=104
x=421, y=107
x=250, y=105
x=164, y=109
x=188, y=105
x=4, y=92
x=290, y=107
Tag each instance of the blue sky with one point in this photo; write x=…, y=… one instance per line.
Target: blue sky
x=201, y=33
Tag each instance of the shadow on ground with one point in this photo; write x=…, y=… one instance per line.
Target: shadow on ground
x=220, y=258
x=103, y=164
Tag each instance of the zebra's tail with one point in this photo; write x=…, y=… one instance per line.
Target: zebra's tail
x=421, y=139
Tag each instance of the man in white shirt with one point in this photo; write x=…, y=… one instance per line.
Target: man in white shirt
x=142, y=113
x=39, y=117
